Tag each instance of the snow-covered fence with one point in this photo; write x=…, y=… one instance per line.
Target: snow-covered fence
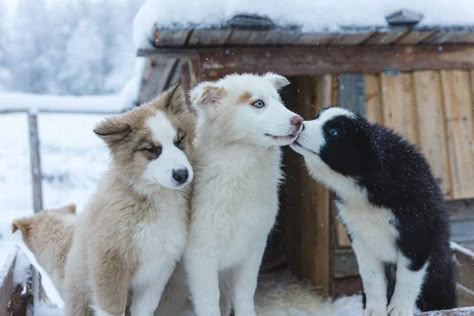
x=33, y=105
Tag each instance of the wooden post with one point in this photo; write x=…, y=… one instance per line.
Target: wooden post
x=35, y=162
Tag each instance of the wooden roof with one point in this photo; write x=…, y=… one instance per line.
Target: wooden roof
x=231, y=35
x=291, y=51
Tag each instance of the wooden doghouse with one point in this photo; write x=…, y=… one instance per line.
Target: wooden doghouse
x=418, y=81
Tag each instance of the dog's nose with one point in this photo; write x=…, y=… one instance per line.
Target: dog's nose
x=296, y=120
x=181, y=175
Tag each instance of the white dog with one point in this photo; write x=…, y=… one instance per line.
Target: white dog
x=235, y=195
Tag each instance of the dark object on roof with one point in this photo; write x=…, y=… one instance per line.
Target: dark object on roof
x=404, y=17
x=251, y=22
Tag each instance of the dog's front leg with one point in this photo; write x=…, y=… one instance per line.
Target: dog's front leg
x=148, y=285
x=407, y=288
x=201, y=269
x=245, y=283
x=374, y=282
x=110, y=279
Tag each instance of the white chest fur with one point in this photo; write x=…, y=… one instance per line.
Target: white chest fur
x=235, y=202
x=160, y=240
x=372, y=226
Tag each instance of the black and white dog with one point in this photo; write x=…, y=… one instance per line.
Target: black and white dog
x=392, y=208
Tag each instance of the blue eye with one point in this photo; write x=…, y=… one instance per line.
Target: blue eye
x=333, y=132
x=258, y=104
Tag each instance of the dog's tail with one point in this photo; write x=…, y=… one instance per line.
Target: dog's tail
x=439, y=288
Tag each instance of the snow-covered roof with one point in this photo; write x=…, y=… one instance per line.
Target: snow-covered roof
x=309, y=15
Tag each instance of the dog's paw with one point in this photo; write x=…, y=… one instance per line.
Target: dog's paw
x=375, y=312
x=393, y=310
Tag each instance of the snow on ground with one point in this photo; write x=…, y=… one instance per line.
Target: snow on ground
x=321, y=15
x=40, y=102
x=73, y=159
x=284, y=295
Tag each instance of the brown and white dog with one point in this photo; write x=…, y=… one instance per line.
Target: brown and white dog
x=48, y=235
x=134, y=228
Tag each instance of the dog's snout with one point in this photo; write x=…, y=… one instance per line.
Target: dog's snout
x=181, y=175
x=296, y=120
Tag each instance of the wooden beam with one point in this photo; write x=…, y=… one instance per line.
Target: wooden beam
x=386, y=38
x=415, y=37
x=209, y=37
x=162, y=38
x=6, y=281
x=351, y=38
x=451, y=312
x=157, y=79
x=35, y=162
x=301, y=60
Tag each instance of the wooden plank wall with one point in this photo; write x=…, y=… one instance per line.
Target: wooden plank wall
x=308, y=221
x=434, y=110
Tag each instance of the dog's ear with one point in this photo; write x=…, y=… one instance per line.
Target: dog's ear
x=207, y=93
x=68, y=209
x=278, y=81
x=23, y=224
x=71, y=208
x=112, y=129
x=175, y=99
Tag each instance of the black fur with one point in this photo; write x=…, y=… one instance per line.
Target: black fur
x=398, y=177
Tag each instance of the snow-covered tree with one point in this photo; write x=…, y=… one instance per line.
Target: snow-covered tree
x=67, y=46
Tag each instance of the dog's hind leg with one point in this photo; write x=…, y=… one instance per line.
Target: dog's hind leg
x=407, y=287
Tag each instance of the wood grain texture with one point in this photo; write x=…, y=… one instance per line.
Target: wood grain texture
x=304, y=60
x=170, y=38
x=457, y=98
x=204, y=37
x=373, y=102
x=431, y=126
x=398, y=101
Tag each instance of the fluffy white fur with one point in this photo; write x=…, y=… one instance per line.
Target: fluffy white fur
x=235, y=195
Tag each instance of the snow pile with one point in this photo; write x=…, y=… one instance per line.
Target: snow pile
x=284, y=295
x=320, y=15
x=47, y=103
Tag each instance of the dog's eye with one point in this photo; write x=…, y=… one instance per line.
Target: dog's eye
x=333, y=132
x=258, y=104
x=155, y=150
x=179, y=142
